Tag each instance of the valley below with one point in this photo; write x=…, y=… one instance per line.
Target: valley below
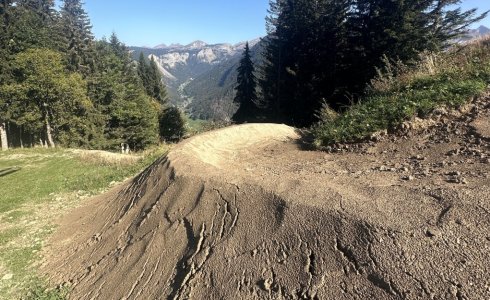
x=200, y=78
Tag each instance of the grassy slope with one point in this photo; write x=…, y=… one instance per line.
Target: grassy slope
x=38, y=185
x=444, y=80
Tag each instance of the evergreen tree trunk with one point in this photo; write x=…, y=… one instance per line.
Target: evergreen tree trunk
x=3, y=136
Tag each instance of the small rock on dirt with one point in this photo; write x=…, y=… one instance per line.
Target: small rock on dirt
x=433, y=232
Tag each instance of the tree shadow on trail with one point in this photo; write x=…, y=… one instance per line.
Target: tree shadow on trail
x=8, y=171
x=306, y=140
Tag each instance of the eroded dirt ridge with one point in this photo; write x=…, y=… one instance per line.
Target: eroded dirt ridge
x=244, y=213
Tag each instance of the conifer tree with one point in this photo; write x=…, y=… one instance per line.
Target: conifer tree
x=128, y=114
x=5, y=34
x=5, y=30
x=172, y=124
x=78, y=36
x=24, y=24
x=158, y=90
x=31, y=24
x=246, y=95
x=117, y=46
x=151, y=78
x=143, y=71
x=40, y=99
x=328, y=50
x=44, y=8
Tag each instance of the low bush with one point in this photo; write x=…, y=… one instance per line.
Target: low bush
x=399, y=93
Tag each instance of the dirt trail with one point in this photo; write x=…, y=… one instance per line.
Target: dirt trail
x=246, y=213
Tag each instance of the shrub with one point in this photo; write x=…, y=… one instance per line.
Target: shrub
x=172, y=125
x=400, y=92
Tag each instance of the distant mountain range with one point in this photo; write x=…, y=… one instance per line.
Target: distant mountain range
x=477, y=33
x=199, y=77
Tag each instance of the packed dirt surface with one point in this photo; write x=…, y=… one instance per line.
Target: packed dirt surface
x=247, y=212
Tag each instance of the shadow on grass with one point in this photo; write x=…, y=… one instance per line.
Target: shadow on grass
x=8, y=171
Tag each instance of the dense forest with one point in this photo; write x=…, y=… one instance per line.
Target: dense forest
x=60, y=86
x=325, y=52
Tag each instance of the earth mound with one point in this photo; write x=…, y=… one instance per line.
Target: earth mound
x=246, y=213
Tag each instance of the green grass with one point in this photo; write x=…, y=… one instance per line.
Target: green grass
x=449, y=80
x=40, y=291
x=197, y=126
x=43, y=173
x=38, y=185
x=9, y=234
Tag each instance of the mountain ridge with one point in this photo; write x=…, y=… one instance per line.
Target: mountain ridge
x=181, y=64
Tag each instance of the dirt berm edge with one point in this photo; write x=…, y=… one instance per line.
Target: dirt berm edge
x=245, y=213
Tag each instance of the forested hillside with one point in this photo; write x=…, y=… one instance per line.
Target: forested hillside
x=60, y=86
x=326, y=52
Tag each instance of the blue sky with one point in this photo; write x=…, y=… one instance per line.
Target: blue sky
x=153, y=22
x=482, y=5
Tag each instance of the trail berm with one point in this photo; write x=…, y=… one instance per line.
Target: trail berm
x=246, y=212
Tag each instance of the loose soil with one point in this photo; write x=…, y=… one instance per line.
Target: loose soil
x=247, y=212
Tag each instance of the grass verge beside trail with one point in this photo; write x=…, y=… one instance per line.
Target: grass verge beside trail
x=449, y=79
x=195, y=127
x=36, y=187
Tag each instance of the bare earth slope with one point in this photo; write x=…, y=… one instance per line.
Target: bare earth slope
x=245, y=213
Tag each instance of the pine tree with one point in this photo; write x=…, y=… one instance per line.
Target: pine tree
x=78, y=36
x=117, y=46
x=128, y=114
x=31, y=24
x=291, y=56
x=43, y=8
x=151, y=78
x=158, y=90
x=246, y=95
x=399, y=30
x=328, y=50
x=5, y=35
x=273, y=66
x=143, y=71
x=42, y=92
x=5, y=74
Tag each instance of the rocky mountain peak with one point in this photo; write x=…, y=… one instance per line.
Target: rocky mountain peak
x=483, y=30
x=161, y=46
x=196, y=45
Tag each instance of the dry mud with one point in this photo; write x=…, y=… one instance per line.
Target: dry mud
x=246, y=213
